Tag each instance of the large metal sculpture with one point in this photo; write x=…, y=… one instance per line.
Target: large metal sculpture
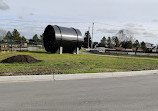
x=62, y=39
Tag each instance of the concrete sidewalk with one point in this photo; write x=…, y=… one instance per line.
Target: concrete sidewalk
x=27, y=78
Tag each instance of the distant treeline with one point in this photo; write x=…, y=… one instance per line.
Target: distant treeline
x=115, y=41
x=15, y=36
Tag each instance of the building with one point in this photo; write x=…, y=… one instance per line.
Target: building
x=150, y=47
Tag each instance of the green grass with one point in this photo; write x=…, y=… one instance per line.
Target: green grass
x=70, y=63
x=83, y=50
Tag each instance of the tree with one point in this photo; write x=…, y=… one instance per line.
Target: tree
x=23, y=38
x=109, y=43
x=143, y=46
x=35, y=38
x=8, y=36
x=2, y=34
x=116, y=41
x=41, y=38
x=126, y=44
x=95, y=44
x=125, y=35
x=103, y=42
x=87, y=36
x=16, y=35
x=136, y=44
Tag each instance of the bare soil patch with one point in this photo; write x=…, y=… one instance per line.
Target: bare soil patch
x=20, y=59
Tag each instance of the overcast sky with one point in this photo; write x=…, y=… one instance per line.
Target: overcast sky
x=140, y=17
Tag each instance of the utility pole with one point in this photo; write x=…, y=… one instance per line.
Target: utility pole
x=11, y=44
x=88, y=36
x=92, y=35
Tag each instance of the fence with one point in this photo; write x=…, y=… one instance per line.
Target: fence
x=16, y=45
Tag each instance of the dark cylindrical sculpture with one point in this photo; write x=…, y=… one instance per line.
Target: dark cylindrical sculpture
x=56, y=36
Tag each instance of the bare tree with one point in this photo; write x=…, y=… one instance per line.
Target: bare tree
x=125, y=35
x=2, y=34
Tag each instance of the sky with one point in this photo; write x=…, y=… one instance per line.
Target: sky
x=139, y=17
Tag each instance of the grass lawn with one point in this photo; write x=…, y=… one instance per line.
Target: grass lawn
x=70, y=63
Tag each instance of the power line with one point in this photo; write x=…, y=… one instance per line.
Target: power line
x=16, y=23
x=44, y=21
x=108, y=24
x=145, y=27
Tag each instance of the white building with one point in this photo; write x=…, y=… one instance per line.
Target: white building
x=151, y=47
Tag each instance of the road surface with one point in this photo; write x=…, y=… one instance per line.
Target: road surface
x=137, y=93
x=144, y=58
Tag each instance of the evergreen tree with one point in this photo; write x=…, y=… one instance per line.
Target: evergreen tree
x=87, y=36
x=16, y=35
x=35, y=38
x=143, y=46
x=126, y=44
x=23, y=38
x=116, y=41
x=41, y=38
x=8, y=36
x=136, y=44
x=109, y=43
x=103, y=42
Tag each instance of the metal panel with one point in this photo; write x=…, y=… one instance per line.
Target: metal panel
x=56, y=36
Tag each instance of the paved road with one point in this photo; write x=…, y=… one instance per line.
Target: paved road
x=137, y=93
x=144, y=58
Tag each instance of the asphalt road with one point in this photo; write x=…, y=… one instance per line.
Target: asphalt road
x=110, y=94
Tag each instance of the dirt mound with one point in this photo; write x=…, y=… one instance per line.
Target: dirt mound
x=20, y=59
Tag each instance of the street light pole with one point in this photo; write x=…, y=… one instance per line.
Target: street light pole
x=92, y=35
x=88, y=36
x=11, y=44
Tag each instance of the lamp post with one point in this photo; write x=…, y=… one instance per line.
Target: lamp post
x=92, y=35
x=11, y=43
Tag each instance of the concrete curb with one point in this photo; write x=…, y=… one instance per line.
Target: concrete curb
x=4, y=79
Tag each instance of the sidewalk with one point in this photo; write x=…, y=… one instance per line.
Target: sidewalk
x=28, y=78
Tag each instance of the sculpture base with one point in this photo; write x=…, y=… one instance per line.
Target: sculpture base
x=60, y=50
x=76, y=51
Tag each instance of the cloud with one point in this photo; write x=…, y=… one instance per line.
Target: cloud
x=155, y=20
x=31, y=14
x=149, y=34
x=110, y=31
x=140, y=31
x=3, y=6
x=20, y=17
x=136, y=30
x=132, y=28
